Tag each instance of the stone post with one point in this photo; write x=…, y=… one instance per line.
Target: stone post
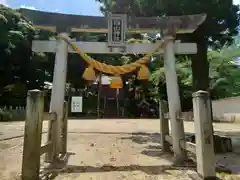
x=204, y=135
x=32, y=135
x=164, y=128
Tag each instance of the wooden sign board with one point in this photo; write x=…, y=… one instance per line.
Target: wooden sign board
x=76, y=104
x=117, y=26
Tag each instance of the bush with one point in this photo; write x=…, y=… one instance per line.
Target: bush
x=5, y=116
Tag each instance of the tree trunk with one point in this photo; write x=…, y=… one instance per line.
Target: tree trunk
x=200, y=64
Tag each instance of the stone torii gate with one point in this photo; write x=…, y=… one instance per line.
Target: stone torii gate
x=170, y=26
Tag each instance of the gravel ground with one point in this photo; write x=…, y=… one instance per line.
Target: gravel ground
x=111, y=150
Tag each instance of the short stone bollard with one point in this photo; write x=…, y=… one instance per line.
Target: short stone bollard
x=204, y=135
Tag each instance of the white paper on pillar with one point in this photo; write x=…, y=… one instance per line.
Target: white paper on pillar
x=76, y=104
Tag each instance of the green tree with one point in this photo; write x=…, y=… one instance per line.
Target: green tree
x=217, y=30
x=20, y=68
x=224, y=72
x=224, y=75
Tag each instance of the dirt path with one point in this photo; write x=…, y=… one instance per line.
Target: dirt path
x=109, y=149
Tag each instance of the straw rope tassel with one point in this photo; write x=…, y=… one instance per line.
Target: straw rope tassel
x=89, y=74
x=143, y=73
x=109, y=69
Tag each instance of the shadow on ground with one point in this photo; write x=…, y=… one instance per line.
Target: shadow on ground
x=229, y=163
x=150, y=170
x=148, y=150
x=4, y=145
x=151, y=147
x=144, y=138
x=50, y=173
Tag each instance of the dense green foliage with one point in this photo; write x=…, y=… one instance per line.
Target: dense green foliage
x=218, y=29
x=21, y=69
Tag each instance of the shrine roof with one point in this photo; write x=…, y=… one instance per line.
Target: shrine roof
x=80, y=23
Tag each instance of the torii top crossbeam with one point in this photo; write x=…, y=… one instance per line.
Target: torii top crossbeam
x=79, y=23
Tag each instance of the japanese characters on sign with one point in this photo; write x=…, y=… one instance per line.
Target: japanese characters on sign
x=117, y=26
x=76, y=104
x=116, y=30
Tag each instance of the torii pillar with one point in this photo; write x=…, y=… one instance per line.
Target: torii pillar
x=174, y=103
x=58, y=88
